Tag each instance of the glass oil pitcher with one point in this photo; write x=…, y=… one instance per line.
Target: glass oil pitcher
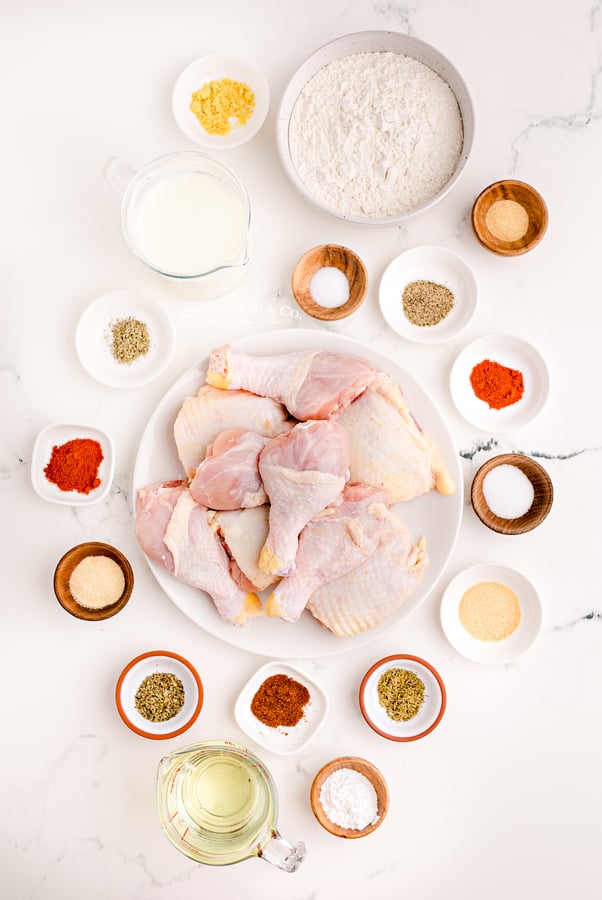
x=187, y=217
x=218, y=805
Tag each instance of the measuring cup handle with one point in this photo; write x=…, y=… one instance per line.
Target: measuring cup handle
x=119, y=174
x=282, y=854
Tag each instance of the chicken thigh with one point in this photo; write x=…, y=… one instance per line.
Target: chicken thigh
x=303, y=472
x=337, y=540
x=212, y=411
x=154, y=508
x=376, y=590
x=228, y=477
x=312, y=384
x=388, y=450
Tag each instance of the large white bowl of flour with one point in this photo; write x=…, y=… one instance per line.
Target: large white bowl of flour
x=375, y=127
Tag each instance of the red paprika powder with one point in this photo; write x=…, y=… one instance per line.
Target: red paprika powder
x=496, y=384
x=74, y=465
x=280, y=701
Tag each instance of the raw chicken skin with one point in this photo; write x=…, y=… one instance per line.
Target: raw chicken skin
x=303, y=472
x=244, y=532
x=336, y=541
x=228, y=477
x=312, y=385
x=154, y=507
x=212, y=411
x=387, y=448
x=376, y=590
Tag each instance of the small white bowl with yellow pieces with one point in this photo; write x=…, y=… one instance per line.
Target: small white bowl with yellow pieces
x=221, y=101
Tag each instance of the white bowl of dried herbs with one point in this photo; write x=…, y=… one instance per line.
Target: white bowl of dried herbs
x=159, y=694
x=402, y=697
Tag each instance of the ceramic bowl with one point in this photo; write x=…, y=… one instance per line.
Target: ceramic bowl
x=213, y=68
x=64, y=570
x=491, y=652
x=436, y=264
x=281, y=740
x=93, y=339
x=364, y=768
x=367, y=42
x=510, y=351
x=542, y=499
x=133, y=675
x=428, y=716
x=336, y=256
x=531, y=201
x=57, y=435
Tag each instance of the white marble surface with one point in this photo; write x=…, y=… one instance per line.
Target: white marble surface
x=504, y=798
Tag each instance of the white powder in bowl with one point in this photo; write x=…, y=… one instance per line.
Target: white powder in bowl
x=375, y=134
x=349, y=800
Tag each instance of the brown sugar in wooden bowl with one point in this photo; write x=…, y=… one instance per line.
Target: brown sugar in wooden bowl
x=543, y=495
x=364, y=768
x=338, y=257
x=64, y=571
x=519, y=193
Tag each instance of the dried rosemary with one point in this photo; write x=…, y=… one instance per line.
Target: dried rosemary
x=160, y=697
x=426, y=303
x=129, y=340
x=401, y=693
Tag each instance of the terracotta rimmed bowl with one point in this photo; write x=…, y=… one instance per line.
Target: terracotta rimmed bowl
x=338, y=257
x=531, y=201
x=64, y=570
x=428, y=716
x=542, y=499
x=132, y=677
x=364, y=768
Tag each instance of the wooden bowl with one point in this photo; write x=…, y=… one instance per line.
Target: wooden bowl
x=340, y=258
x=531, y=201
x=65, y=568
x=365, y=768
x=542, y=500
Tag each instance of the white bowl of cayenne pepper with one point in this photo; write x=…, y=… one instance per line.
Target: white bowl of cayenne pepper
x=72, y=464
x=280, y=708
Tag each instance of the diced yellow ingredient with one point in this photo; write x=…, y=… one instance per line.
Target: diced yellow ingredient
x=222, y=105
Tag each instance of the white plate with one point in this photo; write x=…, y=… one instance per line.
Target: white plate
x=282, y=740
x=509, y=351
x=214, y=68
x=433, y=515
x=436, y=264
x=492, y=652
x=368, y=42
x=93, y=339
x=428, y=716
x=151, y=663
x=56, y=435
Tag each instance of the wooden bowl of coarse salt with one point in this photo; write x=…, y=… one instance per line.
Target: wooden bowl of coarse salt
x=349, y=797
x=93, y=581
x=509, y=217
x=329, y=282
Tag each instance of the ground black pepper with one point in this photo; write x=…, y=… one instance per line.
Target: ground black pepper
x=426, y=303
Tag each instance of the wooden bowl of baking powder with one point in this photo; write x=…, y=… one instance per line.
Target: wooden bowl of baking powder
x=352, y=766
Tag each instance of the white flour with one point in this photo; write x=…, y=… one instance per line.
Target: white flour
x=375, y=134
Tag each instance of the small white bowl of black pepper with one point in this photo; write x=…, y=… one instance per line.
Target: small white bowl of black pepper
x=428, y=294
x=159, y=694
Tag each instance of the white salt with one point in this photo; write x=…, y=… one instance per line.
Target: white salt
x=508, y=492
x=349, y=800
x=329, y=287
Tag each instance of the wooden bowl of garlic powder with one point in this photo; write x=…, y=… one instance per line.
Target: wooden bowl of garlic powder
x=509, y=217
x=93, y=581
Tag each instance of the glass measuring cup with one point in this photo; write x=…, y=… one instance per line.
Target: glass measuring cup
x=218, y=805
x=188, y=218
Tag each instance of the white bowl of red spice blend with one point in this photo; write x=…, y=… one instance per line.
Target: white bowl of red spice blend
x=280, y=708
x=72, y=464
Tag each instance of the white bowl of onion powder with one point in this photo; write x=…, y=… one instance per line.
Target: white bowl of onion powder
x=375, y=127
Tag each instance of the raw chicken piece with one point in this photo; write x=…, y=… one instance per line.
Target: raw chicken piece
x=337, y=540
x=244, y=532
x=195, y=555
x=228, y=477
x=303, y=472
x=375, y=590
x=211, y=411
x=154, y=506
x=312, y=384
x=387, y=448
